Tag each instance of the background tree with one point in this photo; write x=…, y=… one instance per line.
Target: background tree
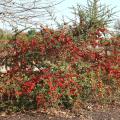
x=90, y=17
x=117, y=27
x=1, y=33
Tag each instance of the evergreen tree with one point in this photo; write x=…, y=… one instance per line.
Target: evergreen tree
x=91, y=17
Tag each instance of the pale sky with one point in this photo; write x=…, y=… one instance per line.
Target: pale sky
x=64, y=10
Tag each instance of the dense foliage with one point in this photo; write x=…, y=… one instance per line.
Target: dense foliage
x=52, y=69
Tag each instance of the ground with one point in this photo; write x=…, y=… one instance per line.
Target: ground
x=92, y=112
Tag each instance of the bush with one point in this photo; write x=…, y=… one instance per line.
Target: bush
x=55, y=71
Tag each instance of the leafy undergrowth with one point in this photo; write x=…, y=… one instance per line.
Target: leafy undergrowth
x=53, y=70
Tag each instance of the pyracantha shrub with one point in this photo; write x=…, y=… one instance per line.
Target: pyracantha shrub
x=51, y=69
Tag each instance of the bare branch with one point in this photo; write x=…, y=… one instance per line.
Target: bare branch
x=25, y=12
